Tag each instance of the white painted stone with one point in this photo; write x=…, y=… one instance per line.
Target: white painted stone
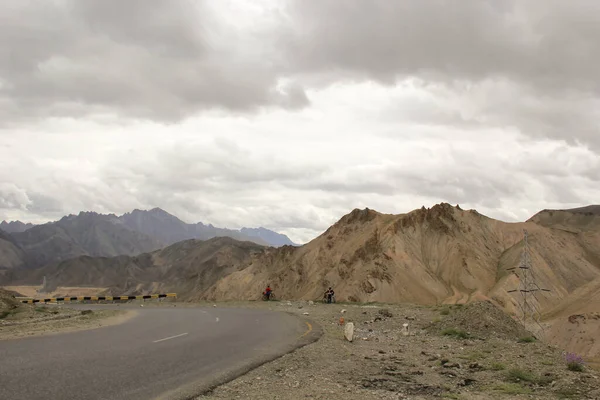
x=349, y=331
x=405, y=330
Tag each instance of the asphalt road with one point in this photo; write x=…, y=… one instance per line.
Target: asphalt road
x=166, y=353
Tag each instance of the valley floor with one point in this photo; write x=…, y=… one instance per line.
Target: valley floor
x=435, y=361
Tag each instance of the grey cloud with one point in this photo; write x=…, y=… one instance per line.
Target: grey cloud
x=13, y=197
x=164, y=61
x=42, y=204
x=551, y=44
x=547, y=50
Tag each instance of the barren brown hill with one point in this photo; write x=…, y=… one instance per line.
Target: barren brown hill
x=439, y=255
x=577, y=220
x=575, y=322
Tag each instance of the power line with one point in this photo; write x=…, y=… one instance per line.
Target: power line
x=528, y=289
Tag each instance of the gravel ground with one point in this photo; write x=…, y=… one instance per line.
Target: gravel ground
x=435, y=361
x=35, y=320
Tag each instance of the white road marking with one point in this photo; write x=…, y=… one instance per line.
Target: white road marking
x=172, y=337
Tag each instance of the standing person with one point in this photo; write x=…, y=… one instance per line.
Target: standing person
x=329, y=293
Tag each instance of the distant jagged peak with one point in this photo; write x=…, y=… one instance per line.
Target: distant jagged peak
x=159, y=211
x=15, y=226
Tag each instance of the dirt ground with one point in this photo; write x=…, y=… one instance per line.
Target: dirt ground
x=35, y=320
x=441, y=358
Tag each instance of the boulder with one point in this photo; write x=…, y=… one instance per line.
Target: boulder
x=349, y=331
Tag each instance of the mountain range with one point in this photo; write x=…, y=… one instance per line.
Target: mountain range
x=93, y=234
x=428, y=256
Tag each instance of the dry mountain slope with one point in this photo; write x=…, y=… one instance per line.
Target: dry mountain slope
x=428, y=256
x=186, y=267
x=11, y=255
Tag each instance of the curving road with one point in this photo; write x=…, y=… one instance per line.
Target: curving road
x=162, y=353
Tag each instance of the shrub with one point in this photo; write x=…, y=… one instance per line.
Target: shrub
x=457, y=333
x=574, y=362
x=527, y=339
x=445, y=311
x=517, y=375
x=498, y=367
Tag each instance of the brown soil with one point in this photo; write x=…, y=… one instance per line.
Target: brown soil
x=381, y=363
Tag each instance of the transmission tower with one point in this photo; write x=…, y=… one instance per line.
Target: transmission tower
x=528, y=289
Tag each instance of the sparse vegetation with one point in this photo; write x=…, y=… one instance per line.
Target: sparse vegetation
x=457, y=333
x=498, y=367
x=5, y=314
x=517, y=375
x=527, y=339
x=474, y=356
x=511, y=388
x=445, y=311
x=567, y=393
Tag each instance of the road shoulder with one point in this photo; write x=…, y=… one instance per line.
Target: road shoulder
x=30, y=321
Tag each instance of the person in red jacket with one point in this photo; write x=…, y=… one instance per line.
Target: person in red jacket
x=267, y=292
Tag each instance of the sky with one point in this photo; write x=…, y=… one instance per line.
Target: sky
x=288, y=114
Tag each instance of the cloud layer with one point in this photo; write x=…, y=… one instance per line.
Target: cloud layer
x=290, y=114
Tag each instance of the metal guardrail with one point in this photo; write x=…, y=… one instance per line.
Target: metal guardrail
x=99, y=298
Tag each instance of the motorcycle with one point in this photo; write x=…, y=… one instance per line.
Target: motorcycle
x=271, y=296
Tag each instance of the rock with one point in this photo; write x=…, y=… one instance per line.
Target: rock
x=305, y=313
x=386, y=313
x=349, y=331
x=451, y=365
x=310, y=302
x=300, y=307
x=343, y=311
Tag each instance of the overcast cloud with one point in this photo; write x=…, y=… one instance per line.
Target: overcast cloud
x=289, y=114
